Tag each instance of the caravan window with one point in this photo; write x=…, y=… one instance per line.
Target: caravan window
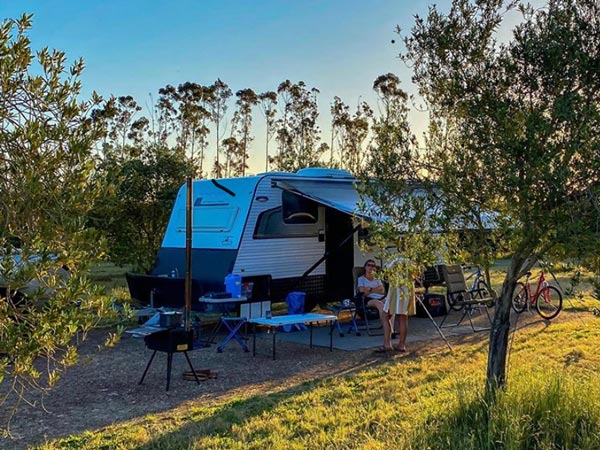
x=270, y=225
x=298, y=210
x=209, y=219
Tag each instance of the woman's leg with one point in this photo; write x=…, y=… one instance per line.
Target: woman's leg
x=385, y=322
x=402, y=332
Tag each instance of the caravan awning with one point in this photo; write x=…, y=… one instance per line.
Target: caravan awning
x=338, y=194
x=342, y=195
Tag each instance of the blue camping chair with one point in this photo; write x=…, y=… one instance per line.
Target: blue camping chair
x=295, y=304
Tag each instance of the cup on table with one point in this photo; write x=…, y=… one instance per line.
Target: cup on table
x=346, y=302
x=268, y=315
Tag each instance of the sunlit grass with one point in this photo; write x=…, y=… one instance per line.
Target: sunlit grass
x=430, y=401
x=109, y=275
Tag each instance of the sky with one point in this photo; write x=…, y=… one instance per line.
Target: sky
x=135, y=47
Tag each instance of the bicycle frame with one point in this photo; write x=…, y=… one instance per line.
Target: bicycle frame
x=476, y=275
x=546, y=298
x=542, y=287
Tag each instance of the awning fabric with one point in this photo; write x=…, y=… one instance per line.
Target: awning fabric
x=340, y=195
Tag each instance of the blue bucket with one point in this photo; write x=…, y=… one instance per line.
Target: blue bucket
x=233, y=285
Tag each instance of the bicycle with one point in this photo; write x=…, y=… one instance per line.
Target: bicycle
x=478, y=289
x=547, y=299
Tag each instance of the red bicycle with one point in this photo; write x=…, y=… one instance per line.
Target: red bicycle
x=547, y=299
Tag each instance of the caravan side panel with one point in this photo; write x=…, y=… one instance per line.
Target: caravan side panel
x=218, y=223
x=284, y=258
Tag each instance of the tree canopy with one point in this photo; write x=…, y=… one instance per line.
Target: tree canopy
x=47, y=188
x=514, y=130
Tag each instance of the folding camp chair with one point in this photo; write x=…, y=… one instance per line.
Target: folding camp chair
x=459, y=294
x=368, y=314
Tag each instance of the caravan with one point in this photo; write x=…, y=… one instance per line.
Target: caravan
x=281, y=231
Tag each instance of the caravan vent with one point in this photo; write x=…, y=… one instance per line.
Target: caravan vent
x=321, y=172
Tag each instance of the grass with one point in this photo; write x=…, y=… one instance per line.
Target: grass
x=429, y=401
x=109, y=275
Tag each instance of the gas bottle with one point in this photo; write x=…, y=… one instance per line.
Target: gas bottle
x=233, y=284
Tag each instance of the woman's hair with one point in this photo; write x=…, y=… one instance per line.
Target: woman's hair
x=369, y=261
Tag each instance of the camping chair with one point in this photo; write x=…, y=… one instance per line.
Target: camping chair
x=458, y=293
x=367, y=314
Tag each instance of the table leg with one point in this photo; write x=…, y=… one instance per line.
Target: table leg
x=310, y=325
x=254, y=342
x=233, y=334
x=331, y=335
x=274, y=345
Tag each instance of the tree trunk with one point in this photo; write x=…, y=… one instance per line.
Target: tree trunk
x=497, y=353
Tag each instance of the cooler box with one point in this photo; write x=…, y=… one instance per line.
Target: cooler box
x=435, y=304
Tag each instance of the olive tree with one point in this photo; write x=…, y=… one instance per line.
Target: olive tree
x=46, y=189
x=514, y=131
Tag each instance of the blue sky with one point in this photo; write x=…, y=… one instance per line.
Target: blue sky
x=136, y=47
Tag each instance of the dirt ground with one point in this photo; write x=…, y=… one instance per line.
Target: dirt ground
x=103, y=388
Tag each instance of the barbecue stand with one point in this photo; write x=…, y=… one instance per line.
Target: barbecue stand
x=176, y=340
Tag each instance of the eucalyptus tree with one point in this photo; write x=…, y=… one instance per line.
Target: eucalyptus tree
x=514, y=130
x=298, y=134
x=185, y=108
x=350, y=131
x=267, y=102
x=141, y=178
x=246, y=100
x=46, y=191
x=217, y=106
x=121, y=127
x=231, y=150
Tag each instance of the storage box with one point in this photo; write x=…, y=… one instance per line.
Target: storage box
x=434, y=303
x=254, y=310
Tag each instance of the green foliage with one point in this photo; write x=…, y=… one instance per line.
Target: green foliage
x=47, y=188
x=136, y=209
x=237, y=155
x=513, y=138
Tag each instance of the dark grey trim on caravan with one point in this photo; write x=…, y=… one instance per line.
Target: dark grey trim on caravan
x=283, y=231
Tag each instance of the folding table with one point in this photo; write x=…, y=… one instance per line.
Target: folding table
x=233, y=324
x=275, y=322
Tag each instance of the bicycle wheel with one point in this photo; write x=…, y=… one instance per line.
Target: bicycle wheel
x=549, y=302
x=456, y=301
x=520, y=298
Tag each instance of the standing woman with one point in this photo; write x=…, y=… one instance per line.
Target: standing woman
x=399, y=302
